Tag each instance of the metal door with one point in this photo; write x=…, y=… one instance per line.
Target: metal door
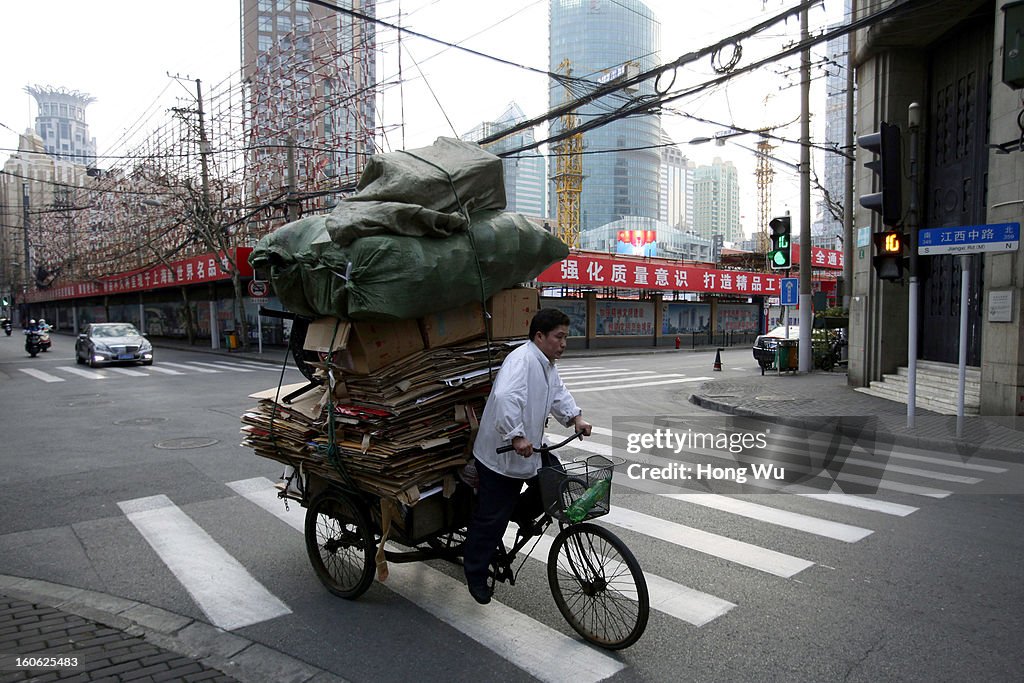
x=955, y=143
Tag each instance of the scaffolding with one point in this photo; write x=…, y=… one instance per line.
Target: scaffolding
x=764, y=175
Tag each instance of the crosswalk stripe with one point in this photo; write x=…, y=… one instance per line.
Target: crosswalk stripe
x=254, y=365
x=770, y=515
x=189, y=367
x=126, y=371
x=626, y=377
x=848, y=500
x=927, y=474
x=611, y=373
x=845, y=477
x=88, y=374
x=739, y=552
x=947, y=463
x=220, y=366
x=873, y=504
x=39, y=374
x=164, y=371
x=666, y=596
x=537, y=649
x=222, y=588
x=641, y=384
x=573, y=368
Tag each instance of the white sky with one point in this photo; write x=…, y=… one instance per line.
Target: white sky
x=120, y=52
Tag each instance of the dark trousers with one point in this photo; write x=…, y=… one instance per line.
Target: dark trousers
x=498, y=501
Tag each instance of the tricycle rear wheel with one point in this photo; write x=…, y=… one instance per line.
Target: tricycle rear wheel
x=340, y=543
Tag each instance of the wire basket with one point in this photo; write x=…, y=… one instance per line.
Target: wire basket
x=579, y=481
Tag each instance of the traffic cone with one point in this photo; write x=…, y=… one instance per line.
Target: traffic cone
x=718, y=360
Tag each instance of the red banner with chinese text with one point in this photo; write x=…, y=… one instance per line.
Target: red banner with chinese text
x=609, y=271
x=190, y=271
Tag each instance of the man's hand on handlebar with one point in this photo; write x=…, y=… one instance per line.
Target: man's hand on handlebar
x=522, y=446
x=581, y=425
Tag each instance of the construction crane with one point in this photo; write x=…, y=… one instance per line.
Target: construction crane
x=764, y=175
x=568, y=173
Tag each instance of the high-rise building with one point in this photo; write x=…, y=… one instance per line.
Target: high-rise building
x=60, y=122
x=310, y=74
x=676, y=207
x=830, y=225
x=525, y=178
x=716, y=195
x=599, y=39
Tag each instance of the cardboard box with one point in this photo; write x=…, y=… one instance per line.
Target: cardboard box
x=365, y=345
x=453, y=326
x=511, y=312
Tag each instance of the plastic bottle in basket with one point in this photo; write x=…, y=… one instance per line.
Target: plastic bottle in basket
x=579, y=509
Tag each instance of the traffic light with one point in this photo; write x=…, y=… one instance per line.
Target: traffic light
x=888, y=258
x=780, y=256
x=888, y=200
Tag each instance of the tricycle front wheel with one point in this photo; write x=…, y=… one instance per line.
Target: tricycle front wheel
x=598, y=586
x=340, y=543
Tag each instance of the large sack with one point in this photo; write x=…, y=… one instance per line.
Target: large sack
x=387, y=277
x=427, y=191
x=408, y=277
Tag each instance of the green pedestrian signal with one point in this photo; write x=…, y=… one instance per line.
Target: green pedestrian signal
x=780, y=254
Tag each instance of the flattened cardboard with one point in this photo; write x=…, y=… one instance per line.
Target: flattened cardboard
x=374, y=344
x=453, y=326
x=511, y=312
x=327, y=334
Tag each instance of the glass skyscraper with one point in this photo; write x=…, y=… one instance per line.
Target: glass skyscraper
x=621, y=160
x=524, y=172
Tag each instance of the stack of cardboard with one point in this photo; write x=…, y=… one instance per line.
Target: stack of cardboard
x=405, y=397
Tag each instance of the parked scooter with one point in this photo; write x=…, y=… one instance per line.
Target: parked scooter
x=32, y=345
x=7, y=327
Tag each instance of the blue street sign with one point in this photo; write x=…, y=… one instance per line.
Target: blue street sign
x=789, y=291
x=969, y=239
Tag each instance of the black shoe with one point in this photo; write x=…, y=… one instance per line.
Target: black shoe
x=480, y=593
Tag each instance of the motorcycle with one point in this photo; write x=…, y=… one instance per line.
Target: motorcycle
x=7, y=327
x=44, y=340
x=32, y=345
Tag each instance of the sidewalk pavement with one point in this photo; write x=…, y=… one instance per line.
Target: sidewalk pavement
x=98, y=637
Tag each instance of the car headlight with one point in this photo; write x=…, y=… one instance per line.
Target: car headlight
x=100, y=346
x=145, y=346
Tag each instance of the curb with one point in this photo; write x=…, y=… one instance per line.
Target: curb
x=902, y=439
x=214, y=648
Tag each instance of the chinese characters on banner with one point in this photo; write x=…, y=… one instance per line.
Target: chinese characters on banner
x=607, y=271
x=190, y=271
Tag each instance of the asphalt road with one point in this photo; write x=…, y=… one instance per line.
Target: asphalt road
x=134, y=485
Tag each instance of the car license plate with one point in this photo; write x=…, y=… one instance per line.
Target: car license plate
x=126, y=356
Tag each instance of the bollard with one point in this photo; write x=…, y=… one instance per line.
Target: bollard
x=718, y=360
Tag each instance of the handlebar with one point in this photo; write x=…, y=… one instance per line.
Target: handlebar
x=542, y=449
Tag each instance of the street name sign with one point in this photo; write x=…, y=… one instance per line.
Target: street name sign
x=970, y=239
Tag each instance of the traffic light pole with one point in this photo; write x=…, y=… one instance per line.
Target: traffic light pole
x=914, y=124
x=806, y=353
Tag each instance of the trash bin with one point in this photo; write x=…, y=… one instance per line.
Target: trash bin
x=787, y=355
x=230, y=340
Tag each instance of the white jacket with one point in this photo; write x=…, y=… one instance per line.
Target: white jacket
x=526, y=390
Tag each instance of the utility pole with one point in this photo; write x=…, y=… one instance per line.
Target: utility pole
x=848, y=245
x=204, y=150
x=806, y=355
x=911, y=223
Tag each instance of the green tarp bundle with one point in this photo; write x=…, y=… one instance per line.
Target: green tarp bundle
x=400, y=247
